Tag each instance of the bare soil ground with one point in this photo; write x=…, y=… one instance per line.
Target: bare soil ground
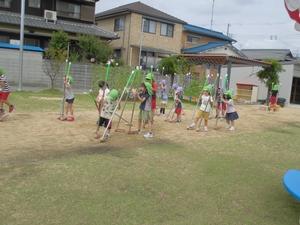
x=44, y=135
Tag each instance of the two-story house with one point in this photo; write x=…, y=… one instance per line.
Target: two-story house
x=43, y=17
x=146, y=34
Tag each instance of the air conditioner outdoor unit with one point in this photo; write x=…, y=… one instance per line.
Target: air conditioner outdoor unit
x=50, y=15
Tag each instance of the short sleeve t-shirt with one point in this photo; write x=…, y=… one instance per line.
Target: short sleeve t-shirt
x=108, y=108
x=101, y=95
x=5, y=88
x=69, y=92
x=205, y=103
x=230, y=106
x=146, y=104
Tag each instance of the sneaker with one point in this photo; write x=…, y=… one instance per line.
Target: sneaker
x=231, y=129
x=148, y=135
x=205, y=129
x=191, y=127
x=11, y=108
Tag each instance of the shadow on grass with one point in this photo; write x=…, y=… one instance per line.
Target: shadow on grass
x=287, y=128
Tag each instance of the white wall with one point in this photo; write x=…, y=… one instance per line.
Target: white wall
x=248, y=75
x=223, y=50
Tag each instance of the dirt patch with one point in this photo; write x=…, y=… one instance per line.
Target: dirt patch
x=46, y=98
x=34, y=136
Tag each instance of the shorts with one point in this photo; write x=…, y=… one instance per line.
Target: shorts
x=4, y=96
x=232, y=116
x=163, y=104
x=70, y=101
x=178, y=111
x=221, y=106
x=201, y=114
x=103, y=122
x=145, y=115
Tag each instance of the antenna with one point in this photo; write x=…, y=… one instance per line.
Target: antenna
x=212, y=14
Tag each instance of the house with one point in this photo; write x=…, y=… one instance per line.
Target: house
x=289, y=78
x=146, y=34
x=43, y=17
x=197, y=40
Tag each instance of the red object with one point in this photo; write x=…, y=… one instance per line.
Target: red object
x=4, y=96
x=295, y=15
x=273, y=100
x=154, y=90
x=222, y=106
x=178, y=111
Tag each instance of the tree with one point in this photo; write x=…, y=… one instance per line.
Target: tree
x=56, y=55
x=174, y=64
x=270, y=75
x=92, y=47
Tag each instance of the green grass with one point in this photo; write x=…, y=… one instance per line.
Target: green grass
x=236, y=181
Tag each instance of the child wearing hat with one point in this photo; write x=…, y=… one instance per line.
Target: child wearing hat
x=4, y=93
x=204, y=110
x=70, y=97
x=109, y=105
x=151, y=80
x=231, y=114
x=163, y=96
x=144, y=96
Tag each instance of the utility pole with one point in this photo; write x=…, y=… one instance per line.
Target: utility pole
x=212, y=14
x=21, y=43
x=228, y=28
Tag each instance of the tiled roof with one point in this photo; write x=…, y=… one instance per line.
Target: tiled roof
x=262, y=54
x=207, y=32
x=205, y=47
x=40, y=22
x=141, y=8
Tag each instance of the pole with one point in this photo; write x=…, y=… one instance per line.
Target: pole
x=228, y=28
x=141, y=41
x=21, y=43
x=212, y=14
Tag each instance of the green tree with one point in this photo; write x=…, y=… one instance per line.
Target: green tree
x=56, y=55
x=92, y=47
x=174, y=64
x=270, y=75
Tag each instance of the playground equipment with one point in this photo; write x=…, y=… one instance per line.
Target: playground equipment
x=67, y=74
x=126, y=89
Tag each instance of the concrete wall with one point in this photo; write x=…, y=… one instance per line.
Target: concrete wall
x=34, y=76
x=248, y=75
x=32, y=67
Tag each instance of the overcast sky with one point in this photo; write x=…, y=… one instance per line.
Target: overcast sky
x=253, y=22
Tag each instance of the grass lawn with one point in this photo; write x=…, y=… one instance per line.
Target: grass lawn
x=230, y=181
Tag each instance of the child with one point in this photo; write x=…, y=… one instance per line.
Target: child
x=221, y=106
x=204, y=110
x=103, y=92
x=4, y=93
x=144, y=96
x=231, y=114
x=150, y=79
x=70, y=97
x=178, y=108
x=273, y=102
x=163, y=96
x=109, y=105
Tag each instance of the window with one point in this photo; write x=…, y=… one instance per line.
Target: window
x=192, y=39
x=34, y=3
x=166, y=29
x=5, y=3
x=31, y=42
x=149, y=26
x=119, y=24
x=117, y=53
x=66, y=9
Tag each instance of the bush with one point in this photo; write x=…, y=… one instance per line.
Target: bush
x=195, y=88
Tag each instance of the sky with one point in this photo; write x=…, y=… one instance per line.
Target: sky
x=253, y=23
